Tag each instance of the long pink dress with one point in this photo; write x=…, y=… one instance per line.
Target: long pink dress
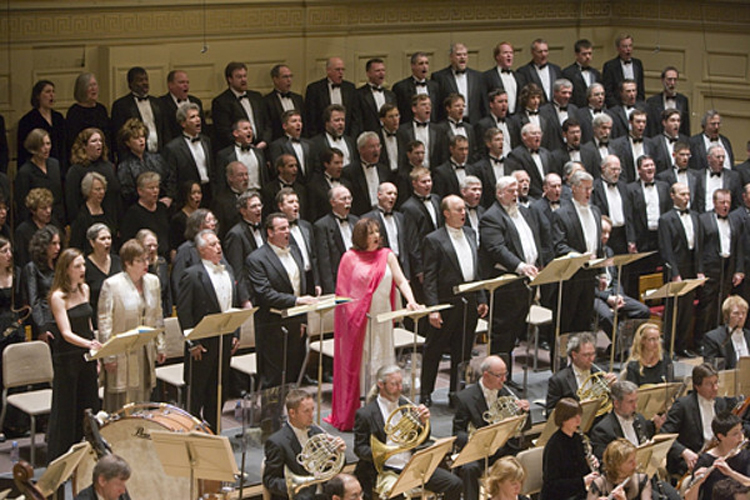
x=360, y=275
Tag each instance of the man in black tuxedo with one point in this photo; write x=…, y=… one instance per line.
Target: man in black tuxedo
x=243, y=238
x=731, y=340
x=543, y=209
x=370, y=97
x=573, y=150
x=366, y=173
x=524, y=182
x=539, y=70
x=669, y=98
x=110, y=474
x=457, y=78
x=471, y=193
x=276, y=275
x=577, y=227
x=281, y=99
x=332, y=89
x=724, y=267
x=448, y=176
x=243, y=151
x=717, y=176
x=531, y=98
x=623, y=421
x=138, y=104
x=471, y=404
x=454, y=125
x=178, y=84
x=283, y=446
x=224, y=205
x=531, y=157
x=321, y=183
x=678, y=248
x=333, y=236
x=678, y=171
x=502, y=77
x=711, y=136
x=238, y=102
x=611, y=197
x=300, y=236
x=632, y=145
x=207, y=287
x=581, y=350
x=622, y=67
x=393, y=231
x=369, y=422
x=492, y=165
x=581, y=73
x=744, y=168
x=335, y=123
x=189, y=156
x=510, y=242
x=741, y=216
x=287, y=168
x=600, y=145
x=292, y=143
x=663, y=144
x=595, y=106
x=392, y=150
x=450, y=258
x=620, y=113
x=557, y=112
x=499, y=118
x=686, y=418
x=416, y=83
x=421, y=129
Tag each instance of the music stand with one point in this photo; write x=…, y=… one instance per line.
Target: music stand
x=654, y=399
x=487, y=440
x=589, y=408
x=416, y=316
x=61, y=468
x=125, y=343
x=219, y=324
x=619, y=261
x=743, y=375
x=490, y=285
x=421, y=466
x=324, y=304
x=559, y=270
x=649, y=456
x=674, y=290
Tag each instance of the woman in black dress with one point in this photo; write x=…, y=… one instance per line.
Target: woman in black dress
x=87, y=111
x=192, y=193
x=44, y=117
x=100, y=263
x=136, y=160
x=94, y=188
x=647, y=363
x=568, y=464
x=75, y=387
x=39, y=204
x=506, y=479
x=39, y=171
x=36, y=280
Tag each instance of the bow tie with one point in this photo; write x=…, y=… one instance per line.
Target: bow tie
x=684, y=212
x=459, y=71
x=246, y=147
x=722, y=217
x=682, y=170
x=385, y=214
x=457, y=124
x=254, y=227
x=636, y=141
x=614, y=184
x=603, y=143
x=285, y=95
x=507, y=71
x=243, y=96
x=554, y=204
x=341, y=220
x=139, y=98
x=523, y=199
x=458, y=167
x=584, y=68
x=376, y=89
x=180, y=101
x=532, y=113
x=541, y=66
x=293, y=223
x=333, y=179
x=285, y=184
x=534, y=151
x=715, y=174
x=389, y=134
x=499, y=120
x=629, y=108
x=562, y=108
x=335, y=85
x=496, y=161
x=420, y=84
x=369, y=165
x=197, y=138
x=295, y=139
x=420, y=124
x=423, y=198
x=648, y=184
x=671, y=140
x=627, y=62
x=574, y=148
x=217, y=268
x=596, y=111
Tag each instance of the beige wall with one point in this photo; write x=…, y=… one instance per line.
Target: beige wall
x=708, y=41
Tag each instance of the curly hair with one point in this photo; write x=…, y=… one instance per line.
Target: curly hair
x=40, y=242
x=78, y=150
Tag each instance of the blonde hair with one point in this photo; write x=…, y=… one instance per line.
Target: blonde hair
x=508, y=468
x=616, y=454
x=635, y=349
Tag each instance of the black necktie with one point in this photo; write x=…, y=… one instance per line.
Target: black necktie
x=532, y=113
x=420, y=84
x=335, y=85
x=420, y=124
x=648, y=184
x=627, y=62
x=459, y=71
x=637, y=141
x=140, y=99
x=715, y=174
x=195, y=139
x=242, y=96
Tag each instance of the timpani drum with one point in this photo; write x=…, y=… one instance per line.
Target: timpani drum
x=128, y=432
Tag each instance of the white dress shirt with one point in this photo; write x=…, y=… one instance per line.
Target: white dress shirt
x=222, y=283
x=739, y=343
x=712, y=184
x=687, y=226
x=345, y=229
x=335, y=93
x=462, y=84
x=614, y=202
x=249, y=159
x=340, y=144
x=290, y=265
x=588, y=224
x=245, y=103
x=628, y=430
x=651, y=197
x=199, y=156
x=147, y=117
x=725, y=236
x=296, y=233
x=526, y=235
x=463, y=252
x=511, y=88
x=706, y=409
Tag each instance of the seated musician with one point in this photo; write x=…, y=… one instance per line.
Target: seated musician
x=623, y=421
x=565, y=383
x=620, y=481
x=568, y=466
x=729, y=489
x=343, y=487
x=283, y=446
x=690, y=417
x=731, y=340
x=648, y=363
x=108, y=480
x=370, y=421
x=472, y=402
x=506, y=480
x=729, y=461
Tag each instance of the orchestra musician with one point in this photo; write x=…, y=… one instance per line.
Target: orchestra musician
x=343, y=487
x=506, y=480
x=648, y=363
x=108, y=480
x=620, y=481
x=729, y=341
x=726, y=459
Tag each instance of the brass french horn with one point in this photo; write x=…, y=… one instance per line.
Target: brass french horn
x=503, y=407
x=321, y=458
x=596, y=387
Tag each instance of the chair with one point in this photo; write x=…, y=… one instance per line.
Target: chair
x=313, y=339
x=531, y=460
x=646, y=283
x=25, y=364
x=246, y=363
x=173, y=374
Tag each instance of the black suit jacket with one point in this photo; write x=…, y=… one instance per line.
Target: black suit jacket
x=270, y=190
x=407, y=248
x=623, y=150
x=405, y=89
x=488, y=122
x=741, y=217
x=699, y=158
x=442, y=270
x=444, y=180
x=274, y=110
x=309, y=241
x=125, y=108
x=528, y=74
x=718, y=344
x=637, y=219
x=620, y=121
x=730, y=180
x=501, y=249
x=710, y=259
x=173, y=129
x=612, y=76
x=562, y=385
x=474, y=143
x=656, y=107
x=673, y=244
x=366, y=112
x=317, y=98
x=520, y=119
x=283, y=146
x=599, y=198
x=182, y=167
x=670, y=177
x=553, y=136
x=661, y=153
x=542, y=210
x=608, y=429
x=226, y=110
x=330, y=248
x=493, y=81
x=227, y=156
x=419, y=223
x=475, y=88
x=573, y=73
x=237, y=245
x=320, y=144
x=281, y=450
x=436, y=147
x=520, y=159
x=486, y=173
x=317, y=193
x=585, y=115
x=591, y=158
x=90, y=494
x=470, y=407
x=355, y=175
x=567, y=233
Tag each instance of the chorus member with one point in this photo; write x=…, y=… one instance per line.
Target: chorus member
x=100, y=263
x=43, y=116
x=243, y=151
x=74, y=388
x=727, y=429
x=39, y=170
x=529, y=101
x=37, y=278
x=335, y=126
x=471, y=193
x=454, y=124
x=281, y=99
x=599, y=141
x=611, y=197
x=244, y=238
x=283, y=446
x=138, y=104
x=566, y=470
x=369, y=422
x=421, y=129
x=668, y=98
x=369, y=275
x=178, y=86
x=502, y=77
x=649, y=362
x=187, y=254
x=148, y=212
x=471, y=405
x=730, y=341
x=621, y=112
x=108, y=480
x=620, y=481
x=192, y=193
x=709, y=136
x=492, y=166
x=370, y=97
x=39, y=204
x=633, y=145
x=86, y=111
x=365, y=173
x=392, y=151
x=543, y=208
x=581, y=73
x=332, y=89
x=530, y=156
x=458, y=78
x=135, y=160
x=499, y=118
x=287, y=168
x=158, y=266
x=224, y=206
x=321, y=183
x=302, y=236
x=664, y=143
x=623, y=67
x=333, y=236
x=94, y=189
x=450, y=259
x=557, y=112
x=10, y=303
x=717, y=176
x=129, y=300
x=594, y=107
x=417, y=82
x=539, y=70
x=448, y=176
x=207, y=287
x=294, y=144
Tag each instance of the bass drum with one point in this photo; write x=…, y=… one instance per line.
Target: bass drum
x=128, y=432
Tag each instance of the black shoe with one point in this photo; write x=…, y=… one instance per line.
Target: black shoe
x=425, y=400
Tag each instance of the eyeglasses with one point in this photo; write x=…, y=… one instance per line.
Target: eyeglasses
x=499, y=375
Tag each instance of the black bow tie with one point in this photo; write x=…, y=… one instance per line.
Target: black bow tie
x=285, y=184
x=562, y=108
x=195, y=139
x=648, y=184
x=722, y=217
x=420, y=124
x=682, y=170
x=614, y=184
x=715, y=174
x=541, y=66
x=335, y=85
x=507, y=71
x=499, y=120
x=458, y=167
x=180, y=101
x=636, y=141
x=376, y=89
x=596, y=111
x=587, y=68
x=574, y=148
x=603, y=143
x=684, y=212
x=496, y=161
x=139, y=98
x=369, y=165
x=254, y=227
x=295, y=139
x=423, y=198
x=332, y=179
x=341, y=219
x=532, y=113
x=534, y=151
x=246, y=147
x=627, y=62
x=286, y=95
x=293, y=223
x=420, y=84
x=672, y=140
x=554, y=204
x=459, y=71
x=389, y=134
x=457, y=124
x=243, y=96
x=385, y=214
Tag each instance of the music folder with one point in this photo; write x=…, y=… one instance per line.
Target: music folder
x=654, y=399
x=195, y=454
x=487, y=440
x=421, y=466
x=125, y=342
x=652, y=454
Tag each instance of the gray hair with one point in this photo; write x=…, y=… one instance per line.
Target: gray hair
x=713, y=148
x=592, y=88
x=469, y=180
x=366, y=136
x=576, y=341
x=385, y=371
x=529, y=127
x=562, y=83
x=568, y=168
x=94, y=229
x=199, y=240
x=110, y=467
x=81, y=87
x=580, y=176
x=245, y=197
x=601, y=119
x=707, y=116
x=608, y=160
x=504, y=181
x=455, y=46
x=88, y=182
x=182, y=111
x=622, y=388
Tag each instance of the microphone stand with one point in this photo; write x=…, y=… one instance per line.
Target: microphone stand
x=463, y=346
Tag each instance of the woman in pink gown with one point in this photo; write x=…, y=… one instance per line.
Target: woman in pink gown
x=368, y=274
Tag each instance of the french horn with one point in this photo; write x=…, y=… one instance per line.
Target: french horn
x=596, y=387
x=320, y=457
